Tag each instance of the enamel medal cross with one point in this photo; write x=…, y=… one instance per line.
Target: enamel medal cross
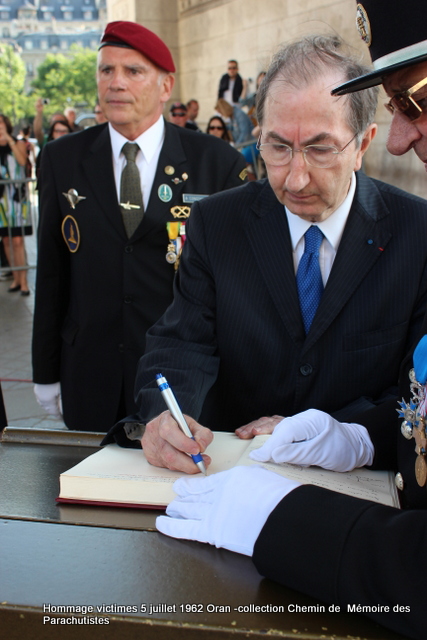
x=414, y=413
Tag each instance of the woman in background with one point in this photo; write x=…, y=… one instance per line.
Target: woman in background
x=15, y=222
x=217, y=127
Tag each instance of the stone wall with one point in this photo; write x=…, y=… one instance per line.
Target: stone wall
x=204, y=34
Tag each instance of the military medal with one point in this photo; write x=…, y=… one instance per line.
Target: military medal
x=414, y=414
x=71, y=233
x=181, y=212
x=73, y=197
x=169, y=170
x=165, y=193
x=176, y=234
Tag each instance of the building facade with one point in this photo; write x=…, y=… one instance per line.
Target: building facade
x=40, y=27
x=204, y=34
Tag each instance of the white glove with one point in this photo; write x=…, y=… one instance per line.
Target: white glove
x=315, y=438
x=227, y=509
x=49, y=397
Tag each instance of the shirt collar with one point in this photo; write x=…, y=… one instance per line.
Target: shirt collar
x=332, y=228
x=148, y=142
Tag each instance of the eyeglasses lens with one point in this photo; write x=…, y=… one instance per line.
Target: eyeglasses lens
x=405, y=105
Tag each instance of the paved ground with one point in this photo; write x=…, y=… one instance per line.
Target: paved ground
x=16, y=315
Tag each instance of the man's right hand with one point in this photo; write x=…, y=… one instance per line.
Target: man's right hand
x=165, y=445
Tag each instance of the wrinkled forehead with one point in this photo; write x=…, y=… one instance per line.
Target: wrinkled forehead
x=403, y=79
x=313, y=93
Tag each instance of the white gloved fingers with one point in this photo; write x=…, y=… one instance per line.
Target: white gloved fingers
x=177, y=528
x=188, y=510
x=203, y=484
x=241, y=501
x=315, y=438
x=299, y=428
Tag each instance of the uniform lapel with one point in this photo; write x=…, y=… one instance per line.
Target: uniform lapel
x=172, y=156
x=268, y=234
x=362, y=244
x=98, y=167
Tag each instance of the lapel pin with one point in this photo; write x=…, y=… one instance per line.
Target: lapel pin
x=169, y=170
x=165, y=193
x=73, y=197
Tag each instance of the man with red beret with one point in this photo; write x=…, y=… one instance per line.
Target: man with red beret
x=109, y=245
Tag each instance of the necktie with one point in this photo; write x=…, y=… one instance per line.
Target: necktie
x=309, y=277
x=131, y=202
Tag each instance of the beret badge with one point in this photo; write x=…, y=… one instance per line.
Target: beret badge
x=363, y=25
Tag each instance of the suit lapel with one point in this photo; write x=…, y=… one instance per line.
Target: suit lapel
x=363, y=241
x=98, y=166
x=268, y=235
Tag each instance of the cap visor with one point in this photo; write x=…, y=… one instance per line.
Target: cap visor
x=374, y=78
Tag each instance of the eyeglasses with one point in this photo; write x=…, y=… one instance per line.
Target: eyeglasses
x=315, y=155
x=217, y=128
x=178, y=114
x=404, y=103
x=231, y=68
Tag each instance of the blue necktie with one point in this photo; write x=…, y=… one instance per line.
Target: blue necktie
x=309, y=277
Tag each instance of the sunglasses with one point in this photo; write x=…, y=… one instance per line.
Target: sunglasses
x=404, y=103
x=214, y=127
x=178, y=114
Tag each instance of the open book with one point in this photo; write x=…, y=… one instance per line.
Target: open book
x=123, y=477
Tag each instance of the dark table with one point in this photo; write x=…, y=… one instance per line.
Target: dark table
x=138, y=583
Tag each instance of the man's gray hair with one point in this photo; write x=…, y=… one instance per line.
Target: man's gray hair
x=300, y=63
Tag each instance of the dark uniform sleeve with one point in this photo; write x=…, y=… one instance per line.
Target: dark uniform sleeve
x=349, y=552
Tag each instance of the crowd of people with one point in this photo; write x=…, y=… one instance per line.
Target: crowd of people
x=293, y=306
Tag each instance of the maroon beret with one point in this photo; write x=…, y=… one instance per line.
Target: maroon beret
x=134, y=36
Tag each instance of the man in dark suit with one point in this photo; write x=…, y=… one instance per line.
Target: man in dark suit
x=99, y=285
x=362, y=553
x=233, y=344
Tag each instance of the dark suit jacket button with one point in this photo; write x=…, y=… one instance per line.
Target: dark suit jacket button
x=128, y=299
x=306, y=369
x=121, y=348
x=128, y=248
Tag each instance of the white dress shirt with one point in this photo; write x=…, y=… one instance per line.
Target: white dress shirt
x=332, y=229
x=150, y=143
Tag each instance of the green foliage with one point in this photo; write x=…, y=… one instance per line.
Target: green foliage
x=12, y=78
x=65, y=81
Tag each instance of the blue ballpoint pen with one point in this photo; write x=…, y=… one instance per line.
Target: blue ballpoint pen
x=177, y=414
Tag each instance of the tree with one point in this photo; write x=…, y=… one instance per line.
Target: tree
x=67, y=81
x=13, y=102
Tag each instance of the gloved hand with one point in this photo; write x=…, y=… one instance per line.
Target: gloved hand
x=49, y=397
x=227, y=509
x=315, y=438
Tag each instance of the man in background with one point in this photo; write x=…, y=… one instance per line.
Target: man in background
x=178, y=115
x=114, y=200
x=193, y=112
x=231, y=84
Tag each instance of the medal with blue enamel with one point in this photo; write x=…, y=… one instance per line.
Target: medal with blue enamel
x=414, y=412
